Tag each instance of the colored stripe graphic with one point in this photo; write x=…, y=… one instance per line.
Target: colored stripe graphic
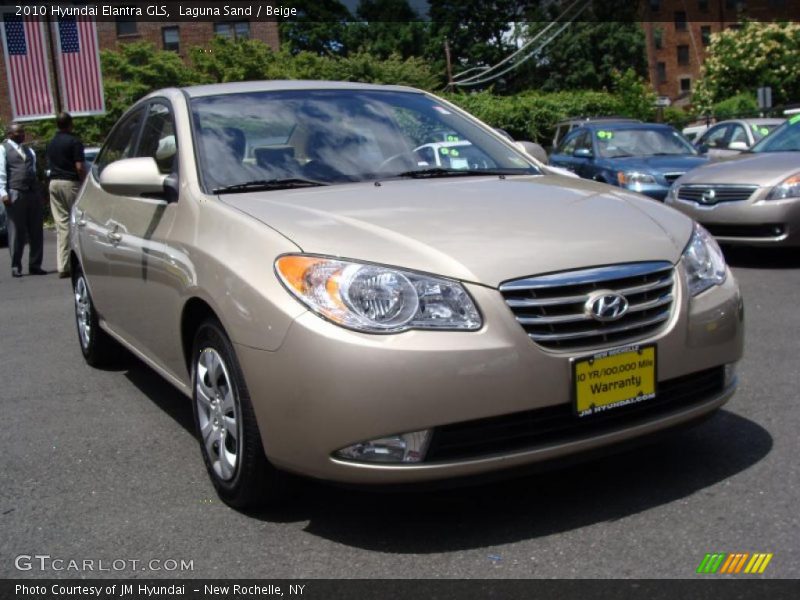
x=730, y=563
x=711, y=563
x=758, y=563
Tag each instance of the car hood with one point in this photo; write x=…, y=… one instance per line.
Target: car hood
x=656, y=164
x=767, y=168
x=480, y=229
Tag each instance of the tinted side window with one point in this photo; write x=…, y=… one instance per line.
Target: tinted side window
x=584, y=141
x=158, y=138
x=120, y=144
x=568, y=145
x=738, y=135
x=715, y=137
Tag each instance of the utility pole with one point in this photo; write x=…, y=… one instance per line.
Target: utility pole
x=449, y=65
x=54, y=65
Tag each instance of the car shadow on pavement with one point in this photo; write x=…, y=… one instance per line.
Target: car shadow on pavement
x=762, y=258
x=161, y=393
x=526, y=507
x=535, y=505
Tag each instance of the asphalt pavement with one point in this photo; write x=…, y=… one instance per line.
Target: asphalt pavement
x=102, y=465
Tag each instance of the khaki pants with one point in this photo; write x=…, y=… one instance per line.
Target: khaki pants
x=62, y=197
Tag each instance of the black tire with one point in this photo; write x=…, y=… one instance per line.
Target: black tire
x=98, y=348
x=252, y=482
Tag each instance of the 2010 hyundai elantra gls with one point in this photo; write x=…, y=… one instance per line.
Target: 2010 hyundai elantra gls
x=338, y=305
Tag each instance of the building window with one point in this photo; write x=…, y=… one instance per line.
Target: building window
x=235, y=30
x=658, y=38
x=126, y=26
x=655, y=5
x=683, y=55
x=686, y=84
x=680, y=21
x=705, y=34
x=735, y=4
x=661, y=72
x=171, y=38
x=702, y=5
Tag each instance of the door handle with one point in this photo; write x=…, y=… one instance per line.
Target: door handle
x=79, y=220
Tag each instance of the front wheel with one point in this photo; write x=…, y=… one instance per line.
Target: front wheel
x=225, y=421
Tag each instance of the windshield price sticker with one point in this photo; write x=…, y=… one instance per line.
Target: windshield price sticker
x=605, y=135
x=613, y=379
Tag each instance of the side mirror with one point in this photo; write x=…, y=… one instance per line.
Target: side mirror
x=740, y=146
x=535, y=150
x=702, y=148
x=133, y=177
x=583, y=153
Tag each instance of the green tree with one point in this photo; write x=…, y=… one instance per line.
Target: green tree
x=739, y=61
x=388, y=27
x=479, y=33
x=320, y=28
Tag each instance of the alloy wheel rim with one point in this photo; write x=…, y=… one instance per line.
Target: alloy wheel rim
x=83, y=312
x=218, y=414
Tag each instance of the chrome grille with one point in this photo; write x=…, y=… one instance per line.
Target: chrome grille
x=551, y=308
x=714, y=194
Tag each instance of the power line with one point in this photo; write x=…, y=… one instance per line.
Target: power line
x=478, y=79
x=486, y=70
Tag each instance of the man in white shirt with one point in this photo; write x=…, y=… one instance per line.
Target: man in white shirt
x=22, y=197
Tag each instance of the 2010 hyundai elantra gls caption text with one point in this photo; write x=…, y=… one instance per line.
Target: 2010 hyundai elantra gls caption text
x=340, y=305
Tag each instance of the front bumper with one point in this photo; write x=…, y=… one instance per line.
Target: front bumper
x=752, y=222
x=326, y=387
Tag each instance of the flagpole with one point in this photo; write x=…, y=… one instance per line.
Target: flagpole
x=54, y=64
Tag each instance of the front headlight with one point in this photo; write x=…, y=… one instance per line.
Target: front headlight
x=633, y=178
x=377, y=299
x=703, y=261
x=788, y=188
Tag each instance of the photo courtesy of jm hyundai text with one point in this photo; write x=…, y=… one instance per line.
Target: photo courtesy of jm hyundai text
x=339, y=303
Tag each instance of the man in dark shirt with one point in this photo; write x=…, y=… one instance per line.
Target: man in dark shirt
x=67, y=171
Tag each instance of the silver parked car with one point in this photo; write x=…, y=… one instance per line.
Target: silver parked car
x=729, y=138
x=753, y=198
x=337, y=306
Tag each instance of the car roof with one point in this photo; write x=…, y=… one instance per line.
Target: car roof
x=241, y=87
x=633, y=125
x=755, y=121
x=597, y=119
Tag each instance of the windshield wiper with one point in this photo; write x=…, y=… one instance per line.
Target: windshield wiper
x=268, y=184
x=441, y=172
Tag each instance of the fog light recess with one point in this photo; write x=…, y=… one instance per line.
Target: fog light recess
x=730, y=374
x=394, y=449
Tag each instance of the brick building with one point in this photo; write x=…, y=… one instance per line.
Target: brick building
x=167, y=35
x=678, y=33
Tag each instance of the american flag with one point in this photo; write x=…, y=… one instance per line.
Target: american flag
x=79, y=67
x=27, y=67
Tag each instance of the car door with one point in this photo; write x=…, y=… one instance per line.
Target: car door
x=563, y=155
x=714, y=142
x=97, y=232
x=584, y=155
x=152, y=270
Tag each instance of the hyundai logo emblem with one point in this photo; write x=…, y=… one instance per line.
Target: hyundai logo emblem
x=605, y=305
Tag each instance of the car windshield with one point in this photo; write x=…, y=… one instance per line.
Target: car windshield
x=338, y=136
x=785, y=138
x=618, y=143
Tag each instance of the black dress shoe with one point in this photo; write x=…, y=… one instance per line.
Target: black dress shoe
x=37, y=271
x=16, y=273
